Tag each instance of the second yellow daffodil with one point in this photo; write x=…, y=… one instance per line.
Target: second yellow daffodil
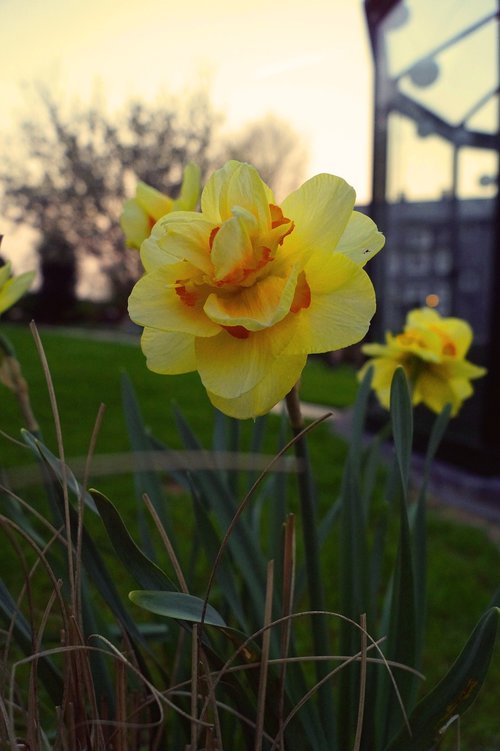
x=244, y=290
x=431, y=350
x=141, y=212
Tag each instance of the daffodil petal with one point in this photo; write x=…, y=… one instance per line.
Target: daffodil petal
x=232, y=248
x=373, y=349
x=257, y=307
x=383, y=372
x=154, y=302
x=341, y=307
x=5, y=272
x=422, y=317
x=135, y=223
x=461, y=369
x=269, y=391
x=320, y=210
x=169, y=353
x=233, y=185
x=180, y=235
x=213, y=194
x=437, y=392
x=423, y=343
x=153, y=202
x=247, y=190
x=361, y=239
x=190, y=188
x=230, y=366
x=459, y=332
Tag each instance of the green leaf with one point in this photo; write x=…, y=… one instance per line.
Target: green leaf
x=353, y=574
x=419, y=528
x=60, y=470
x=178, y=605
x=402, y=423
x=142, y=568
x=455, y=693
x=403, y=639
x=436, y=436
x=358, y=420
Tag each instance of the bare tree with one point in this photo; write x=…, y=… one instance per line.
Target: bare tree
x=275, y=149
x=74, y=171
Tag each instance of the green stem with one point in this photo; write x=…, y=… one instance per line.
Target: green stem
x=312, y=559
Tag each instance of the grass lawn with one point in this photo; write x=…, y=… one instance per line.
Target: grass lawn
x=464, y=563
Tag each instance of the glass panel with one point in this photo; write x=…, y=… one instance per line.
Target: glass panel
x=416, y=27
x=477, y=173
x=486, y=118
x=419, y=168
x=464, y=74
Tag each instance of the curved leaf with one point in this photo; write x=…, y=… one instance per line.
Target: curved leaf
x=143, y=569
x=177, y=605
x=455, y=693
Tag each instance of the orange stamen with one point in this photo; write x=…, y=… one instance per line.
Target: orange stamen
x=449, y=349
x=302, y=296
x=239, y=332
x=188, y=298
x=277, y=220
x=212, y=237
x=238, y=275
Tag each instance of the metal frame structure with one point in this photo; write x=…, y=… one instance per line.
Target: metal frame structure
x=475, y=436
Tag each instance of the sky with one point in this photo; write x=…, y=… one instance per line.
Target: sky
x=308, y=63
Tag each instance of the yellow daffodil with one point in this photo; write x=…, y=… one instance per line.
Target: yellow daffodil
x=246, y=289
x=13, y=287
x=148, y=205
x=432, y=351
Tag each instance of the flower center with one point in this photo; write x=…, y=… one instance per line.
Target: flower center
x=302, y=296
x=409, y=338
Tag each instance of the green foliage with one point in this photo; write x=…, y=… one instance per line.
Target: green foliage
x=187, y=611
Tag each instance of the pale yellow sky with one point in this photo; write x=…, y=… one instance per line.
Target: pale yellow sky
x=307, y=61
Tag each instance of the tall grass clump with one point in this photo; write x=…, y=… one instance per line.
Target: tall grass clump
x=204, y=622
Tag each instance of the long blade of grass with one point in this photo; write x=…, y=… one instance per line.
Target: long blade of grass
x=224, y=574
x=264, y=659
x=146, y=481
x=243, y=545
x=21, y=630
